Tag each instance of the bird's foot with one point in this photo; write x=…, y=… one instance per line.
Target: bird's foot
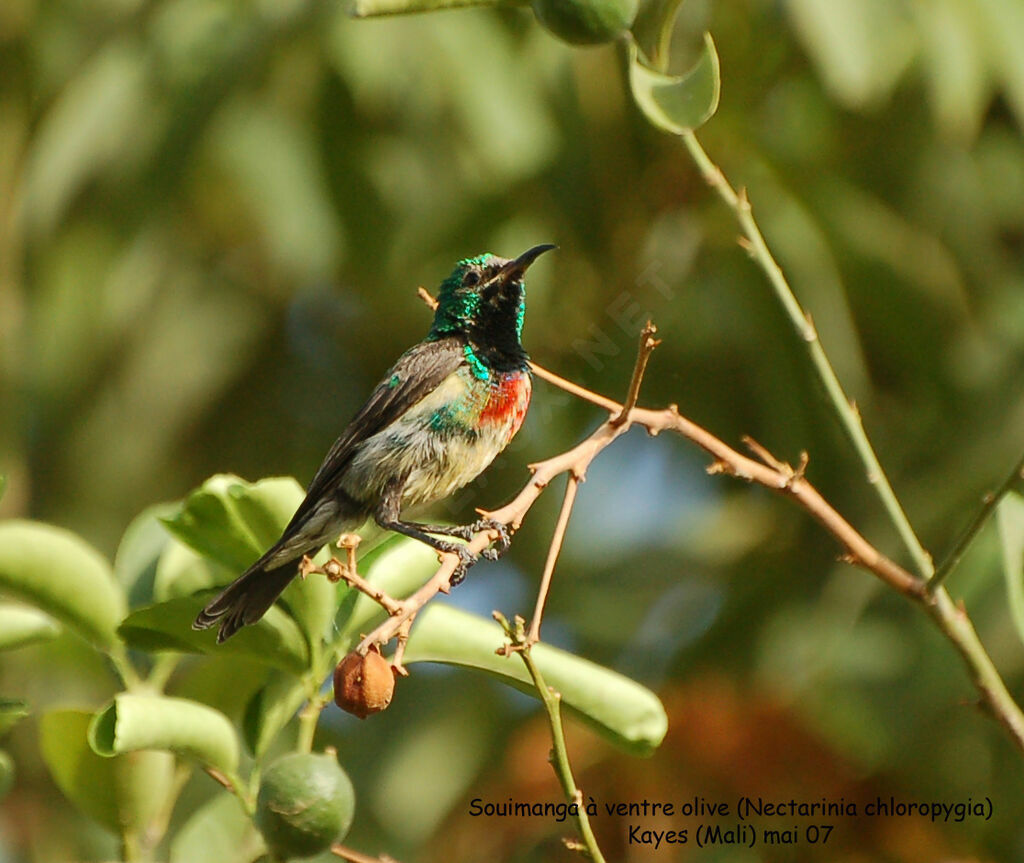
x=501, y=544
x=465, y=556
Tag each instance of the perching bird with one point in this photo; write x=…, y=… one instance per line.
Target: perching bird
x=437, y=419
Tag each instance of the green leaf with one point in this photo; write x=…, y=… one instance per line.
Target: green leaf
x=231, y=522
x=371, y=8
x=59, y=573
x=134, y=722
x=312, y=602
x=122, y=792
x=182, y=572
x=219, y=831
x=676, y=103
x=275, y=639
x=270, y=710
x=266, y=506
x=653, y=28
x=210, y=521
x=6, y=773
x=142, y=544
x=11, y=710
x=1010, y=518
x=625, y=712
x=20, y=626
x=3, y=485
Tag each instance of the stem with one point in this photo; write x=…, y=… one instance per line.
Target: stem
x=308, y=718
x=233, y=783
x=162, y=819
x=559, y=754
x=952, y=619
x=123, y=665
x=163, y=668
x=556, y=546
x=991, y=501
x=845, y=411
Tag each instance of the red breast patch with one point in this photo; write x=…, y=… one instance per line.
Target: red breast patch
x=507, y=403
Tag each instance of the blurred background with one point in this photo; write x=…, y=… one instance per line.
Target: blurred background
x=213, y=218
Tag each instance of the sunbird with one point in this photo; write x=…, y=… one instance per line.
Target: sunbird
x=436, y=420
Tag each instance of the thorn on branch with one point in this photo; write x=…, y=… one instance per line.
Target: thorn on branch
x=219, y=777
x=766, y=457
x=810, y=333
x=801, y=469
x=424, y=295
x=647, y=345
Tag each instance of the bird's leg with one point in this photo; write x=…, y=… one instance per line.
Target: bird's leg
x=467, y=532
x=388, y=516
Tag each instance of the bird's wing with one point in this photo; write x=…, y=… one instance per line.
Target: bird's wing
x=418, y=371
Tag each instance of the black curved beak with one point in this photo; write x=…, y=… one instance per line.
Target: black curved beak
x=517, y=266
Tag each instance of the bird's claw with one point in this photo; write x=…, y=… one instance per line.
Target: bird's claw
x=501, y=544
x=466, y=560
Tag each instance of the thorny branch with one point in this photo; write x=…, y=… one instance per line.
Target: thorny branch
x=950, y=617
x=765, y=470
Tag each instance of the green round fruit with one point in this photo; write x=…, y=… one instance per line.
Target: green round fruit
x=586, y=22
x=306, y=803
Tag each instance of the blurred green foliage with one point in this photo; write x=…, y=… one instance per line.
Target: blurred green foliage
x=213, y=216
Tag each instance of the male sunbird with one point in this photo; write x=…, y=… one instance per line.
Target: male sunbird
x=438, y=418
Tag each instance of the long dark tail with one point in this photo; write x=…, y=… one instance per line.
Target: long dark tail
x=247, y=598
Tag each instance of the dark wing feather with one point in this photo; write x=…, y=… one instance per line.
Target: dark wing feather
x=418, y=371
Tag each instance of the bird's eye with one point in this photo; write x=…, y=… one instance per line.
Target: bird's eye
x=471, y=278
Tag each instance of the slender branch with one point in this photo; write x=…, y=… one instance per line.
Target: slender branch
x=347, y=572
x=233, y=783
x=553, y=551
x=520, y=643
x=951, y=618
x=647, y=345
x=844, y=409
x=353, y=856
x=991, y=501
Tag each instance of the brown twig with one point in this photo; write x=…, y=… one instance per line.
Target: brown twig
x=647, y=345
x=554, y=549
x=336, y=571
x=218, y=777
x=949, y=617
x=353, y=856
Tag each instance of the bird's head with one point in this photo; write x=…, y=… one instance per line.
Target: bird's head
x=484, y=300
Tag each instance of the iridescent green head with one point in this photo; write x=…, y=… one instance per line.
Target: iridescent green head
x=483, y=301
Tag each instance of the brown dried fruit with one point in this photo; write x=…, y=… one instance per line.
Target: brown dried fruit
x=364, y=684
